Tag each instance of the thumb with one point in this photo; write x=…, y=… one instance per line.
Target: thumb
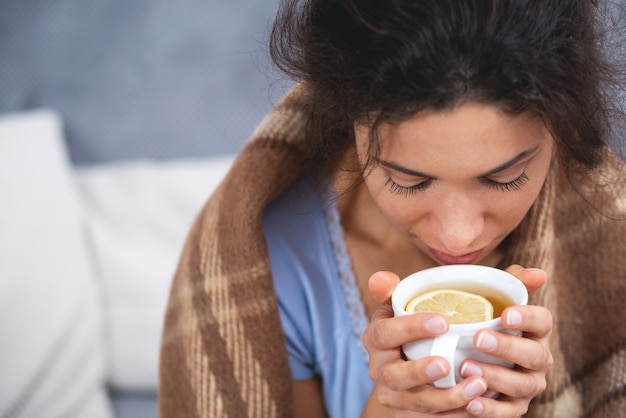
x=382, y=284
x=532, y=278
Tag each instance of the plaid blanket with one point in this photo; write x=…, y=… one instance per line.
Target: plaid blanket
x=223, y=351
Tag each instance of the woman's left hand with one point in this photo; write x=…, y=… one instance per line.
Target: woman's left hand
x=530, y=352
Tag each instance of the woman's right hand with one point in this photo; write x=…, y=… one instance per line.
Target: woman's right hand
x=403, y=388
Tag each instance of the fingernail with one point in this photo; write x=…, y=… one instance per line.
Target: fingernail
x=474, y=388
x=436, y=369
x=486, y=341
x=470, y=369
x=513, y=317
x=435, y=325
x=475, y=407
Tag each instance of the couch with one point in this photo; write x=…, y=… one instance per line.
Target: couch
x=117, y=120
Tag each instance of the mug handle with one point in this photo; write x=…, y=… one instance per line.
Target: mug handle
x=445, y=346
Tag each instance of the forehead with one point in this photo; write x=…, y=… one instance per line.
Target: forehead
x=472, y=136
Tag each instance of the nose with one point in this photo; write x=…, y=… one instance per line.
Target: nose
x=457, y=222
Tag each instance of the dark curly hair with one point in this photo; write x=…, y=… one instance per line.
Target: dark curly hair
x=393, y=58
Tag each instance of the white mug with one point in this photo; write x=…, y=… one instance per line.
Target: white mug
x=457, y=344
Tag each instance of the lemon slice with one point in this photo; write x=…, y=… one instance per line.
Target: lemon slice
x=458, y=306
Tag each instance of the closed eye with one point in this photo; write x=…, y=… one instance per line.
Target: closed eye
x=508, y=186
x=407, y=191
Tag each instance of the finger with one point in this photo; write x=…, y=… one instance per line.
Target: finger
x=379, y=353
x=514, y=383
x=535, y=321
x=382, y=312
x=374, y=339
x=381, y=285
x=404, y=375
x=487, y=407
x=532, y=278
x=385, y=333
x=421, y=402
x=525, y=352
x=428, y=399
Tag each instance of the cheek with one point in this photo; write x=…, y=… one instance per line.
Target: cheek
x=512, y=208
x=405, y=214
x=399, y=211
x=510, y=213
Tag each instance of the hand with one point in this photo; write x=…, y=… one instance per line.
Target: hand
x=530, y=352
x=403, y=387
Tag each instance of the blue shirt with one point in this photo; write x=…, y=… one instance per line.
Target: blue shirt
x=319, y=304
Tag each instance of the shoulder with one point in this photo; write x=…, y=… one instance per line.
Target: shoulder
x=297, y=238
x=295, y=220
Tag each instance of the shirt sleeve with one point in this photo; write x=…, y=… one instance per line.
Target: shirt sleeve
x=284, y=229
x=298, y=340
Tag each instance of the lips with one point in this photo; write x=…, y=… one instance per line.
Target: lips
x=468, y=258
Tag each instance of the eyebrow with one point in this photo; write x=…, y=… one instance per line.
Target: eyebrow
x=491, y=172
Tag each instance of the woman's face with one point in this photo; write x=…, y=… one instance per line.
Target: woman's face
x=456, y=183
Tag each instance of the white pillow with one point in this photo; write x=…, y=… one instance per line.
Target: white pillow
x=139, y=213
x=50, y=326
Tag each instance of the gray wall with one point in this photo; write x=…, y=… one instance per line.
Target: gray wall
x=140, y=78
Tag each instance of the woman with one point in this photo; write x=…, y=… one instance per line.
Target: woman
x=420, y=133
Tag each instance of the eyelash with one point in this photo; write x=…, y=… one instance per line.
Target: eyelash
x=395, y=188
x=515, y=184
